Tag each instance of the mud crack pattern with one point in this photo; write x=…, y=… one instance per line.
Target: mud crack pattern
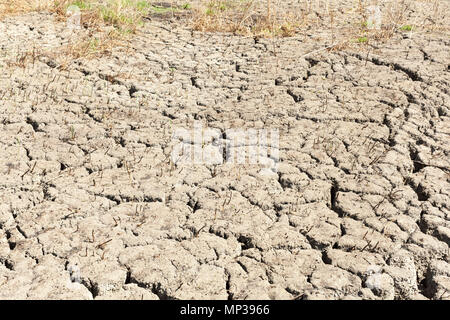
x=91, y=206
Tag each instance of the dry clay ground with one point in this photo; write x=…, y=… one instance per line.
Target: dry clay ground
x=91, y=205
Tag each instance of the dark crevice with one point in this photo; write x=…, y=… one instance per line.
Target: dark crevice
x=228, y=286
x=388, y=103
x=333, y=192
x=87, y=111
x=193, y=204
x=427, y=286
x=413, y=75
x=243, y=87
x=242, y=266
x=168, y=115
x=343, y=233
x=128, y=278
x=325, y=258
x=246, y=242
x=333, y=196
x=315, y=244
x=155, y=288
x=47, y=195
x=411, y=99
x=297, y=98
x=33, y=123
x=312, y=62
x=292, y=292
x=21, y=232
x=132, y=90
x=11, y=243
x=423, y=288
x=110, y=197
x=8, y=264
x=441, y=111
x=195, y=83
x=84, y=72
x=50, y=63
x=220, y=233
x=423, y=227
x=422, y=195
x=284, y=183
x=160, y=292
x=92, y=287
x=279, y=81
x=418, y=165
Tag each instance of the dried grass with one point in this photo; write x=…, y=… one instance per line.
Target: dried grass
x=346, y=26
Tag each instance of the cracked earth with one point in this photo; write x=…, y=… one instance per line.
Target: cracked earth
x=91, y=206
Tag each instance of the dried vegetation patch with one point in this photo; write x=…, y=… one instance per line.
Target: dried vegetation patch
x=105, y=24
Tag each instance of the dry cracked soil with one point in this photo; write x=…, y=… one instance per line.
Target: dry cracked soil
x=93, y=207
